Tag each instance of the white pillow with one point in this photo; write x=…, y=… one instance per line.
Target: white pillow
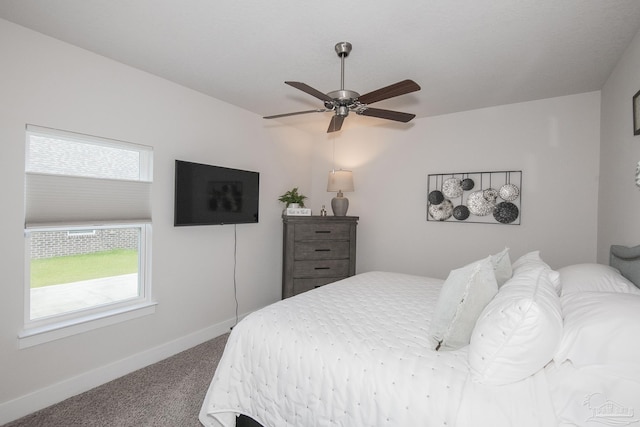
x=462, y=298
x=502, y=266
x=594, y=278
x=531, y=261
x=518, y=332
x=600, y=328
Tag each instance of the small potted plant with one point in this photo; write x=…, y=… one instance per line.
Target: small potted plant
x=293, y=199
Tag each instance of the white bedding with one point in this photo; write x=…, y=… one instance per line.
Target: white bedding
x=595, y=379
x=356, y=353
x=595, y=395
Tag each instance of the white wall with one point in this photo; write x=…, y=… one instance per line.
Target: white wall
x=619, y=198
x=555, y=142
x=49, y=83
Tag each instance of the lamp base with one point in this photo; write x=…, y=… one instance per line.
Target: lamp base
x=339, y=205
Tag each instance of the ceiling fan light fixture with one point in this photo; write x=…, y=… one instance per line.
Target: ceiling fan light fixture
x=342, y=110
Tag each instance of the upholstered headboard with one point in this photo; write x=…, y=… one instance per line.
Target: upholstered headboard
x=627, y=260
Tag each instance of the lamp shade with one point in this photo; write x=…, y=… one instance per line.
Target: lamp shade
x=340, y=180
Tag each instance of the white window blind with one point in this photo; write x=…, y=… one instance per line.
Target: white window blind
x=80, y=179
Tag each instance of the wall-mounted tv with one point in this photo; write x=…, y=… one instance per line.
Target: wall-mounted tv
x=208, y=195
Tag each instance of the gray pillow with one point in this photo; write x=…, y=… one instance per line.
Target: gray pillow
x=462, y=298
x=502, y=266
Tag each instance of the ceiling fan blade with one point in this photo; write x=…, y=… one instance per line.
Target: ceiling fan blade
x=387, y=114
x=336, y=123
x=319, y=110
x=396, y=89
x=311, y=91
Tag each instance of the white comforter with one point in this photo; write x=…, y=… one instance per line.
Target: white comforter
x=356, y=353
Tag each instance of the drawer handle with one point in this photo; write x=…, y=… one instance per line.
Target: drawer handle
x=323, y=250
x=323, y=231
x=322, y=268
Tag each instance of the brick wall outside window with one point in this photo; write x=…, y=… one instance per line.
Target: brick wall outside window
x=48, y=244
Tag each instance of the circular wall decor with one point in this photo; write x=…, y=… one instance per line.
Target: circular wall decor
x=506, y=212
x=442, y=211
x=478, y=204
x=452, y=188
x=467, y=184
x=490, y=194
x=435, y=197
x=509, y=192
x=461, y=212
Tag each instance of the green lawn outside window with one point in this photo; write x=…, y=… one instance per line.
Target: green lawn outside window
x=67, y=269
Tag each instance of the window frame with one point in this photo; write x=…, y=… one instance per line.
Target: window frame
x=41, y=330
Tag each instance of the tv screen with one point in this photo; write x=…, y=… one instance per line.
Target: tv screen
x=206, y=195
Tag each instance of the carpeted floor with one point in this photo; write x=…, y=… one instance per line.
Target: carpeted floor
x=168, y=393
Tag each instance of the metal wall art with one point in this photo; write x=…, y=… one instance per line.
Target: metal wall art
x=479, y=197
x=636, y=113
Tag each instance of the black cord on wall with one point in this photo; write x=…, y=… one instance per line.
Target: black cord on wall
x=235, y=258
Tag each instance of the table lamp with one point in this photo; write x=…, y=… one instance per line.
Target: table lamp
x=340, y=181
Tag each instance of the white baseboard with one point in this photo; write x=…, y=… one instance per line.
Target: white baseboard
x=47, y=396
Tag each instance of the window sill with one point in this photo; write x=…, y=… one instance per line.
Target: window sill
x=40, y=335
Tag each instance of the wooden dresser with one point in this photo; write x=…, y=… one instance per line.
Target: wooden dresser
x=317, y=250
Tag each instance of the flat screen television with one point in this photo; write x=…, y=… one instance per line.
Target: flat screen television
x=209, y=195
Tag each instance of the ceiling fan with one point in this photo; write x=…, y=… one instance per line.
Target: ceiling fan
x=342, y=101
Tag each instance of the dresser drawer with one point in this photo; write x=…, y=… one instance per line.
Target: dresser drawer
x=321, y=268
x=321, y=231
x=321, y=249
x=303, y=285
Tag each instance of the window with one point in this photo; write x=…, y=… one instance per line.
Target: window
x=87, y=233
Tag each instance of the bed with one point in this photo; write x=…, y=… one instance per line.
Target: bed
x=498, y=343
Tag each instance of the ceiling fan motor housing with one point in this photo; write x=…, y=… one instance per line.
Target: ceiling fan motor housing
x=343, y=96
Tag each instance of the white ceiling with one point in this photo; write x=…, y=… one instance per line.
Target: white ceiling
x=466, y=54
